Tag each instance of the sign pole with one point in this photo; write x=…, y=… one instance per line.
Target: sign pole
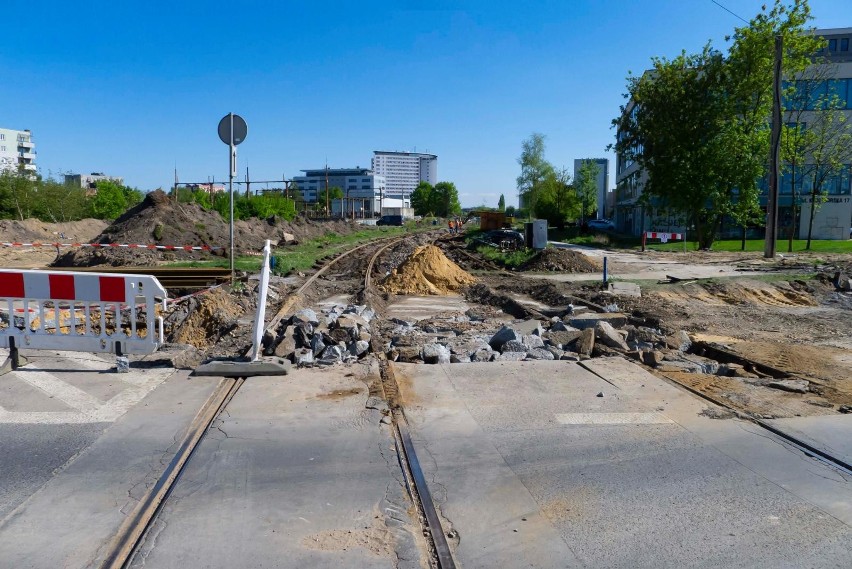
x=231, y=173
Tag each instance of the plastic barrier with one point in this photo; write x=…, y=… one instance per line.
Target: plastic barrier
x=663, y=237
x=84, y=312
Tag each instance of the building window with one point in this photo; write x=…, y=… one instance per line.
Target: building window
x=2, y=136
x=844, y=44
x=832, y=45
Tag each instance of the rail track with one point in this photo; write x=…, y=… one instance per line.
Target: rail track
x=126, y=542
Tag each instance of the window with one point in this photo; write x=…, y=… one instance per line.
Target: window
x=844, y=44
x=832, y=45
x=2, y=136
x=2, y=149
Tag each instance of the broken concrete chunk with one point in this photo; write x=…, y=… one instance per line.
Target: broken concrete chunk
x=503, y=335
x=609, y=336
x=561, y=338
x=558, y=326
x=792, y=385
x=539, y=354
x=303, y=357
x=435, y=354
x=359, y=348
x=457, y=359
x=532, y=341
x=581, y=322
x=679, y=341
x=483, y=355
x=513, y=346
x=528, y=327
x=317, y=345
x=586, y=342
x=305, y=316
x=408, y=354
x=287, y=345
x=512, y=356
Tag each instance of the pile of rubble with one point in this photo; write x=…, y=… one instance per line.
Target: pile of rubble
x=339, y=334
x=562, y=261
x=427, y=271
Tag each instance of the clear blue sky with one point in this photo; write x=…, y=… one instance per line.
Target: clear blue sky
x=134, y=91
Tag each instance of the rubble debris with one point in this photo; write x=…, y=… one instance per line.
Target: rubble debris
x=206, y=319
x=791, y=385
x=616, y=320
x=427, y=271
x=562, y=261
x=586, y=342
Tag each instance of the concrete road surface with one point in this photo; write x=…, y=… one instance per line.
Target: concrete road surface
x=546, y=464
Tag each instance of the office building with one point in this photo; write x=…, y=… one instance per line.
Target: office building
x=831, y=221
x=602, y=182
x=17, y=150
x=362, y=189
x=403, y=171
x=89, y=182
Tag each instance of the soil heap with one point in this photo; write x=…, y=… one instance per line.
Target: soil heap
x=427, y=271
x=160, y=220
x=210, y=317
x=32, y=229
x=563, y=261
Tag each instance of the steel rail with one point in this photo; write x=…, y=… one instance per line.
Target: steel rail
x=125, y=543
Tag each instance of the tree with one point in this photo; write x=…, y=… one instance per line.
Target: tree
x=557, y=199
x=510, y=211
x=334, y=193
x=422, y=199
x=534, y=170
x=109, y=202
x=698, y=126
x=586, y=185
x=501, y=203
x=446, y=199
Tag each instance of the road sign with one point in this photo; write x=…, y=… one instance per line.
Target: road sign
x=232, y=129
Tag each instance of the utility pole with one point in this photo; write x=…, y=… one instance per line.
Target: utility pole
x=774, y=155
x=326, y=190
x=248, y=184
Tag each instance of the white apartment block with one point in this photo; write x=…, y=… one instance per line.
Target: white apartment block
x=402, y=171
x=17, y=150
x=90, y=181
x=359, y=185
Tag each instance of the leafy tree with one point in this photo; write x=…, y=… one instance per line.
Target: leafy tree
x=557, y=199
x=18, y=194
x=334, y=193
x=586, y=185
x=446, y=199
x=501, y=203
x=110, y=201
x=699, y=125
x=510, y=211
x=534, y=170
x=422, y=199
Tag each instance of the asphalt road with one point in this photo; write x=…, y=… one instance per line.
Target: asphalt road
x=534, y=468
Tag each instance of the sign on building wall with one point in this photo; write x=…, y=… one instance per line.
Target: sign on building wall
x=832, y=219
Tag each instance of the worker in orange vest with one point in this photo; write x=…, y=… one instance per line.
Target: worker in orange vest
x=452, y=226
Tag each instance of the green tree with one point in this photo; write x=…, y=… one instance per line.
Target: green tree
x=698, y=126
x=422, y=199
x=446, y=199
x=586, y=185
x=501, y=203
x=18, y=194
x=510, y=211
x=334, y=193
x=110, y=201
x=534, y=170
x=557, y=199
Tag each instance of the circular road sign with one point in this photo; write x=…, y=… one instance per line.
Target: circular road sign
x=239, y=133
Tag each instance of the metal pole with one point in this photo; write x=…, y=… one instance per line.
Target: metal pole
x=231, y=173
x=774, y=156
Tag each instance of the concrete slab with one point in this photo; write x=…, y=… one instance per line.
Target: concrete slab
x=831, y=433
x=300, y=472
x=674, y=489
x=69, y=518
x=412, y=308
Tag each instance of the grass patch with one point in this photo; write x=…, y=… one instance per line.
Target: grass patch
x=511, y=259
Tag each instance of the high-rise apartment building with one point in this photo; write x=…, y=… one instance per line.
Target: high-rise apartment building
x=17, y=150
x=402, y=171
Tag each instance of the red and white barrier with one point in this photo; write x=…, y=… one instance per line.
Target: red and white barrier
x=86, y=312
x=664, y=237
x=113, y=245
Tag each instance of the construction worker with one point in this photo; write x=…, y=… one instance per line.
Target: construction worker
x=452, y=225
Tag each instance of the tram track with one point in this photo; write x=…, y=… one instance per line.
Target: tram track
x=130, y=536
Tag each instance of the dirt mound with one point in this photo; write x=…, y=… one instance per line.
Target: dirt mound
x=740, y=293
x=159, y=220
x=30, y=230
x=563, y=261
x=214, y=315
x=427, y=271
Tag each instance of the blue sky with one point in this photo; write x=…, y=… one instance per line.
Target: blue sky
x=134, y=89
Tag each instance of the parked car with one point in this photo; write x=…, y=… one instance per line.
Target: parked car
x=601, y=225
x=390, y=220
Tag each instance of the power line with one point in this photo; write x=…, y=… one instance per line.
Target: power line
x=729, y=11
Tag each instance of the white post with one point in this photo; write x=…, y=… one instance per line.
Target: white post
x=263, y=287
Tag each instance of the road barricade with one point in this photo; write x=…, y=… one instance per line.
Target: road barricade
x=664, y=237
x=83, y=312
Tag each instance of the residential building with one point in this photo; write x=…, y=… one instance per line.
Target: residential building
x=363, y=190
x=602, y=182
x=17, y=150
x=831, y=221
x=403, y=171
x=89, y=181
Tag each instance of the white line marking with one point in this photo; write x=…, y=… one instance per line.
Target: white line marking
x=55, y=387
x=612, y=419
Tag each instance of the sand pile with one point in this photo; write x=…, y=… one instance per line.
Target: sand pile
x=32, y=229
x=211, y=316
x=563, y=261
x=427, y=271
